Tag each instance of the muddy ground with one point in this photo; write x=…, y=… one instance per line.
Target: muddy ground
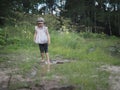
x=11, y=77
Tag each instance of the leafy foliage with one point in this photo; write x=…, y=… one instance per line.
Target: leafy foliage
x=85, y=12
x=2, y=37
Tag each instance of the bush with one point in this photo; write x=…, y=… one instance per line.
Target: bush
x=92, y=35
x=14, y=40
x=52, y=22
x=2, y=37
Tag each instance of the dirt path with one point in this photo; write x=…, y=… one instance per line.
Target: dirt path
x=114, y=78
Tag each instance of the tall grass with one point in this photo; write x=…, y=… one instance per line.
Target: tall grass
x=73, y=46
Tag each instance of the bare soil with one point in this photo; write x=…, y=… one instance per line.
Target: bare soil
x=114, y=78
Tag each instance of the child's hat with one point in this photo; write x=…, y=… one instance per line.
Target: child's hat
x=40, y=20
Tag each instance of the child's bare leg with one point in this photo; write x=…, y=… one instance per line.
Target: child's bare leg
x=42, y=55
x=48, y=59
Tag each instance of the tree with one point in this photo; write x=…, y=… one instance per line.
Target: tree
x=5, y=7
x=10, y=6
x=95, y=14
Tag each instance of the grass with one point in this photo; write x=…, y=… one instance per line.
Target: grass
x=89, y=54
x=82, y=73
x=75, y=47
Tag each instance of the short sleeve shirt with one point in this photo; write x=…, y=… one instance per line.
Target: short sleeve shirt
x=41, y=36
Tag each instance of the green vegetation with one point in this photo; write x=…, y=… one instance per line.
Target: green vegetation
x=75, y=46
x=87, y=51
x=2, y=37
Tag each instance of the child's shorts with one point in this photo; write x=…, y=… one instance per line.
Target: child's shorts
x=43, y=48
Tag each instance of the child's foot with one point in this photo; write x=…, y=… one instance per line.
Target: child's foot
x=42, y=60
x=47, y=62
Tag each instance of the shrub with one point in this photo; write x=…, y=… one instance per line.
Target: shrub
x=2, y=37
x=92, y=35
x=14, y=40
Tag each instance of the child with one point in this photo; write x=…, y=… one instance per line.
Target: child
x=42, y=38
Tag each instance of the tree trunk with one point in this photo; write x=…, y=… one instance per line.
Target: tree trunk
x=95, y=21
x=118, y=24
x=109, y=23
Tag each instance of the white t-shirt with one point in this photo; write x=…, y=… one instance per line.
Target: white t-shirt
x=41, y=36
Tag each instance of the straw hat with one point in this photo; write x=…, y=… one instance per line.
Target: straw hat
x=40, y=20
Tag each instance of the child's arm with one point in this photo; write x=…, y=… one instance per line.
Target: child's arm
x=35, y=36
x=48, y=36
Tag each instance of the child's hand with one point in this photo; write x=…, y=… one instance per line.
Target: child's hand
x=48, y=42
